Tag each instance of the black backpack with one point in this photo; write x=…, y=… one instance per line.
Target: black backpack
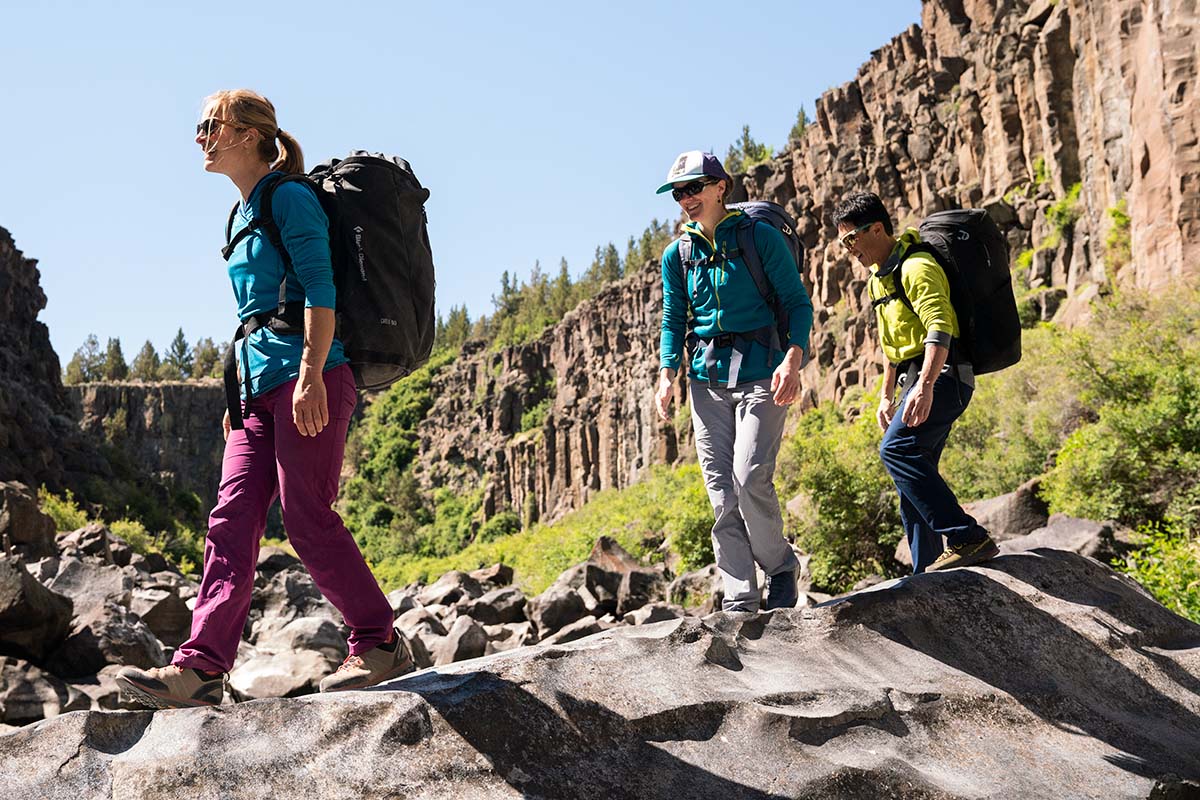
x=382, y=268
x=972, y=251
x=774, y=215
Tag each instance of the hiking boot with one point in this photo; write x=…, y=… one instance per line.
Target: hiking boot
x=964, y=555
x=372, y=667
x=171, y=687
x=781, y=590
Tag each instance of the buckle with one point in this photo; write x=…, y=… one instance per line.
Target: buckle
x=724, y=340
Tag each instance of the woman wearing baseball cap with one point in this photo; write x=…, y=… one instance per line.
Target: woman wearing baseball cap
x=741, y=377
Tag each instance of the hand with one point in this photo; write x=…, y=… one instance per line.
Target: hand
x=916, y=408
x=885, y=412
x=785, y=380
x=662, y=395
x=310, y=410
x=225, y=424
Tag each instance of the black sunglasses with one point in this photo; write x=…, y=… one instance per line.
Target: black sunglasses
x=690, y=190
x=207, y=127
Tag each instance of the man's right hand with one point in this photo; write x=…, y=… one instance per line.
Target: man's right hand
x=662, y=396
x=885, y=412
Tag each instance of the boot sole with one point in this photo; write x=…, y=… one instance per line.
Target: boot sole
x=149, y=697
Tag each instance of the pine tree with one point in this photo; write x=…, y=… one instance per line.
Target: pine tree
x=801, y=125
x=178, y=361
x=87, y=364
x=205, y=358
x=115, y=368
x=145, y=364
x=747, y=154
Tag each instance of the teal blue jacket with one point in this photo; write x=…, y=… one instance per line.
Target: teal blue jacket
x=723, y=298
x=256, y=269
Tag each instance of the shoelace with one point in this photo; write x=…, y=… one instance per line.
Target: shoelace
x=351, y=662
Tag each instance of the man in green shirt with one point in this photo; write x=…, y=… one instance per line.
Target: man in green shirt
x=925, y=386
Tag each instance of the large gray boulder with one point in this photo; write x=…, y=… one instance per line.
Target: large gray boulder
x=1041, y=675
x=287, y=674
x=33, y=619
x=1099, y=540
x=465, y=639
x=24, y=530
x=498, y=606
x=28, y=694
x=103, y=635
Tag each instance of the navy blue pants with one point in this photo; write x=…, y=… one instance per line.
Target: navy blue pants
x=928, y=508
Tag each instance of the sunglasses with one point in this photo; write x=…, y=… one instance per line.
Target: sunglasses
x=208, y=127
x=690, y=190
x=850, y=238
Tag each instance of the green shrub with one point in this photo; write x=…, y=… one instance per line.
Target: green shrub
x=1118, y=248
x=1064, y=213
x=65, y=512
x=533, y=418
x=1039, y=171
x=1168, y=565
x=852, y=524
x=669, y=505
x=506, y=523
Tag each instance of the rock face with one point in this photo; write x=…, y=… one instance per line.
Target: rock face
x=968, y=683
x=39, y=441
x=1004, y=104
x=171, y=430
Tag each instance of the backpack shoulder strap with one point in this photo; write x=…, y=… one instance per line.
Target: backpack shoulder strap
x=750, y=255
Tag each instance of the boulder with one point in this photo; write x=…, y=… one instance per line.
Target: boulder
x=1011, y=515
x=102, y=635
x=466, y=639
x=287, y=595
x=91, y=584
x=28, y=694
x=288, y=674
x=89, y=542
x=639, y=586
x=273, y=560
x=151, y=563
x=509, y=636
x=102, y=691
x=552, y=609
x=449, y=589
x=498, y=606
x=24, y=530
x=700, y=590
x=576, y=630
x=494, y=577
x=402, y=600
x=420, y=649
x=33, y=619
x=654, y=612
x=318, y=634
x=420, y=620
x=1098, y=540
x=164, y=612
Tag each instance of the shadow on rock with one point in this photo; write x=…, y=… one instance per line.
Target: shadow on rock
x=580, y=748
x=978, y=625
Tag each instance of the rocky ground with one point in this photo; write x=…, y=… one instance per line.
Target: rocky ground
x=1042, y=674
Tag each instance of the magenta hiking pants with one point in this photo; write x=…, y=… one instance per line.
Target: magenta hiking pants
x=269, y=459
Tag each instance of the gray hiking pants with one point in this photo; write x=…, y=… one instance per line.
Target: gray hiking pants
x=738, y=432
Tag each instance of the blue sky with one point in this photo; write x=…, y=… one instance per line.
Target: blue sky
x=540, y=128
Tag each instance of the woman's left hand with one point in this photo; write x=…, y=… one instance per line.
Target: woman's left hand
x=310, y=408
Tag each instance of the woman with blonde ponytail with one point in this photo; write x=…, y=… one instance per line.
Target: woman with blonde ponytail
x=297, y=395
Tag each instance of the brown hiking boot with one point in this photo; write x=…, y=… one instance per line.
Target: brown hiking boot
x=171, y=687
x=372, y=667
x=965, y=555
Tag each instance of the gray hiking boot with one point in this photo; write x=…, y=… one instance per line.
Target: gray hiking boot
x=372, y=667
x=171, y=687
x=965, y=555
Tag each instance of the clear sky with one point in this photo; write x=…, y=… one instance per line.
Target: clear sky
x=540, y=128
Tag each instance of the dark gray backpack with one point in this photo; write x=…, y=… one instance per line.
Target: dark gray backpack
x=382, y=267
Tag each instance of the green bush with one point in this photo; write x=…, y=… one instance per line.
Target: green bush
x=669, y=505
x=65, y=512
x=1168, y=565
x=1138, y=368
x=1118, y=247
x=852, y=524
x=533, y=418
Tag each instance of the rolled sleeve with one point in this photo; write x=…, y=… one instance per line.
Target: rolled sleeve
x=784, y=276
x=305, y=231
x=675, y=308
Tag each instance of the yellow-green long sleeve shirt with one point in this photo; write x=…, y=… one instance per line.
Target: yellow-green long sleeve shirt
x=904, y=333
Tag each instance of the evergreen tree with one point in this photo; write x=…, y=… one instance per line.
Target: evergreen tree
x=206, y=358
x=178, y=360
x=747, y=154
x=145, y=364
x=87, y=364
x=801, y=125
x=115, y=368
x=562, y=292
